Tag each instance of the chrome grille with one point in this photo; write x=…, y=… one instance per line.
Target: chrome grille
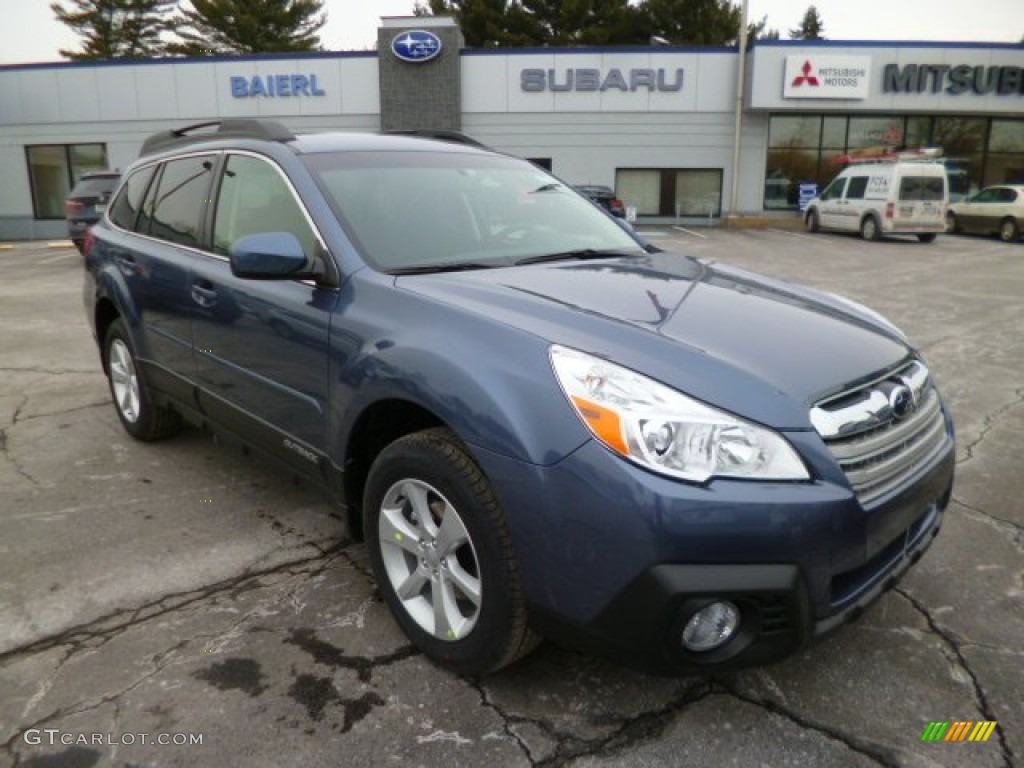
x=884, y=432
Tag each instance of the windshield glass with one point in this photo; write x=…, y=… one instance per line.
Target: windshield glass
x=420, y=209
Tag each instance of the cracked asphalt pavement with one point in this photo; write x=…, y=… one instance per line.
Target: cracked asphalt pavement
x=182, y=589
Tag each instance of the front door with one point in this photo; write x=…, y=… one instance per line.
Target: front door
x=261, y=346
x=832, y=204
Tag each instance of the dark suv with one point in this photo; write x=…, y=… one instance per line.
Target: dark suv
x=87, y=202
x=540, y=426
x=603, y=196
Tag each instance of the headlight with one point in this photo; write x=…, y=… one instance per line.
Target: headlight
x=666, y=431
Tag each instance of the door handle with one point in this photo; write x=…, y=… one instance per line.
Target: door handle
x=204, y=297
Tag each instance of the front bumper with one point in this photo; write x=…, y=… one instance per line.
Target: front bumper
x=642, y=627
x=618, y=559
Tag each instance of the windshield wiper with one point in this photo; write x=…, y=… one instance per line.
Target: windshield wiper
x=456, y=266
x=580, y=255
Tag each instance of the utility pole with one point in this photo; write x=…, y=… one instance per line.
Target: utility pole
x=741, y=74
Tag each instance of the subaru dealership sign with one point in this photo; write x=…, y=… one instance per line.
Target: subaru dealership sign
x=809, y=76
x=416, y=46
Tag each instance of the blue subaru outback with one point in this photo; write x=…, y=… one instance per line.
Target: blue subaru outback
x=540, y=425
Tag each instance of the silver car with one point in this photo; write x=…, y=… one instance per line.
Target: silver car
x=994, y=210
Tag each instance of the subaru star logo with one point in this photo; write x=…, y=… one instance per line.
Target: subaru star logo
x=901, y=401
x=416, y=46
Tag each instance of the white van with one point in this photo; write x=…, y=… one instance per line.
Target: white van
x=884, y=198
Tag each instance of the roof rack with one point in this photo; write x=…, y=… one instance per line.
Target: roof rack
x=455, y=137
x=922, y=155
x=244, y=128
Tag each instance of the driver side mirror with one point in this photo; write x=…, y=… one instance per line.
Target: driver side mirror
x=272, y=256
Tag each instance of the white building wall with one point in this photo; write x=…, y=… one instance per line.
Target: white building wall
x=121, y=104
x=588, y=135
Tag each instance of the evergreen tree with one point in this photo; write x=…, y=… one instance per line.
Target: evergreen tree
x=693, y=22
x=115, y=29
x=247, y=26
x=759, y=31
x=811, y=27
x=487, y=23
x=587, y=22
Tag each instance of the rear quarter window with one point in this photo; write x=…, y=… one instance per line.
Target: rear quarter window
x=125, y=208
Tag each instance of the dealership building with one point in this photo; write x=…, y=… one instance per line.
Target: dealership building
x=658, y=124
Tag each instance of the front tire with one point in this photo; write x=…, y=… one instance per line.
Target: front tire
x=1008, y=230
x=869, y=229
x=139, y=416
x=813, y=223
x=442, y=554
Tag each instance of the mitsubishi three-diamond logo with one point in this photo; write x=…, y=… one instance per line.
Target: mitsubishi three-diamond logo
x=819, y=76
x=807, y=76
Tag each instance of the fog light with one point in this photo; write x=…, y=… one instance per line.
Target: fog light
x=712, y=626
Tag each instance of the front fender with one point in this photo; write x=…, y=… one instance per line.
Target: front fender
x=491, y=383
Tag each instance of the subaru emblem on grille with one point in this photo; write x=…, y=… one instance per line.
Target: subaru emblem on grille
x=901, y=401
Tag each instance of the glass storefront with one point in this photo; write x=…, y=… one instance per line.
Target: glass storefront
x=671, y=191
x=54, y=169
x=978, y=151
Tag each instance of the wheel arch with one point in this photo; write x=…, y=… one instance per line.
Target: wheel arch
x=377, y=426
x=104, y=316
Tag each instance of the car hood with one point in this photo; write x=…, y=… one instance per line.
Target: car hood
x=758, y=347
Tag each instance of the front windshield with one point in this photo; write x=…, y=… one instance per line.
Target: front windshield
x=424, y=209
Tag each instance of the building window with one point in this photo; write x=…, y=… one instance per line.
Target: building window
x=641, y=189
x=699, y=193
x=53, y=169
x=977, y=151
x=1005, y=163
x=671, y=191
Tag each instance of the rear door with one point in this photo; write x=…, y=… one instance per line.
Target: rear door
x=261, y=346
x=921, y=201
x=1005, y=207
x=156, y=260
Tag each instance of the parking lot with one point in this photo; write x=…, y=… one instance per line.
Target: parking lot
x=183, y=592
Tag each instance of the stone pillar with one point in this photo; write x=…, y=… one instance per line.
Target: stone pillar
x=420, y=94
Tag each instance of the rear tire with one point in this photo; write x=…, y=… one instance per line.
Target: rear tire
x=813, y=223
x=927, y=238
x=869, y=229
x=442, y=554
x=1008, y=230
x=139, y=416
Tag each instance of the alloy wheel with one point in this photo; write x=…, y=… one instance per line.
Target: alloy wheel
x=430, y=559
x=124, y=381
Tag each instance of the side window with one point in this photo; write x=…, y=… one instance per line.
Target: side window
x=1007, y=195
x=125, y=208
x=834, y=190
x=182, y=193
x=255, y=198
x=858, y=185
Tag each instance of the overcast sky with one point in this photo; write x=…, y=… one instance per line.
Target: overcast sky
x=29, y=32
